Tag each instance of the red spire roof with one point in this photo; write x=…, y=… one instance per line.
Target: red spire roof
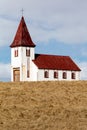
x=22, y=37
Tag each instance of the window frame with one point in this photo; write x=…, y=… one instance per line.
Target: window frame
x=64, y=75
x=46, y=74
x=16, y=53
x=28, y=74
x=55, y=74
x=28, y=68
x=73, y=75
x=27, y=52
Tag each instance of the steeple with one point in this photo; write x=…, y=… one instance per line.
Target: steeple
x=22, y=37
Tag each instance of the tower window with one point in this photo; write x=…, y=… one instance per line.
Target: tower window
x=28, y=74
x=64, y=75
x=55, y=74
x=16, y=53
x=46, y=74
x=27, y=52
x=28, y=68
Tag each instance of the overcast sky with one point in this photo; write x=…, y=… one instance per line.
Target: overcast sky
x=56, y=27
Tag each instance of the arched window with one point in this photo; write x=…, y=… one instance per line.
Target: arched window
x=64, y=75
x=46, y=74
x=73, y=76
x=55, y=74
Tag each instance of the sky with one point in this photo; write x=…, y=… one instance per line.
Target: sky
x=57, y=27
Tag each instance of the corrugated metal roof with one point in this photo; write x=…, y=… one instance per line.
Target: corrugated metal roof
x=22, y=37
x=43, y=61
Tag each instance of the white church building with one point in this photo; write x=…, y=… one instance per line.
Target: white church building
x=28, y=66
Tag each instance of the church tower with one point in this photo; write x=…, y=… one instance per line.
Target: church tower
x=22, y=54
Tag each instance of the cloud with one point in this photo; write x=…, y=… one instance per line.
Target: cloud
x=64, y=21
x=7, y=28
x=5, y=72
x=84, y=52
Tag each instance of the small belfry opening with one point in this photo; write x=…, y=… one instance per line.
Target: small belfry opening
x=27, y=52
x=16, y=53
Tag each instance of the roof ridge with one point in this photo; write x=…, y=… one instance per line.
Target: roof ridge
x=52, y=55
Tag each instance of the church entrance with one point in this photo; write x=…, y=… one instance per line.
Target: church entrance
x=16, y=75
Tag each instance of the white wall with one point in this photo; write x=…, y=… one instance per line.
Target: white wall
x=21, y=61
x=40, y=75
x=33, y=72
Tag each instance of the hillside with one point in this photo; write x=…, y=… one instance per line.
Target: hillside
x=43, y=106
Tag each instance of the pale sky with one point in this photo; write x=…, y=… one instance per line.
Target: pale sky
x=56, y=27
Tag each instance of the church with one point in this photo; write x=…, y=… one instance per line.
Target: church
x=28, y=66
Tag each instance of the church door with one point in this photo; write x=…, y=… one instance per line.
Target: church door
x=16, y=75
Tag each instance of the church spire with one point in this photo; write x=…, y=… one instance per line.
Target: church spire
x=22, y=37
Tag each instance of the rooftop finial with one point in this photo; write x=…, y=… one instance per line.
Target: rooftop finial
x=22, y=11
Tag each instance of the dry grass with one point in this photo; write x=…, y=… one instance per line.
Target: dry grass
x=43, y=106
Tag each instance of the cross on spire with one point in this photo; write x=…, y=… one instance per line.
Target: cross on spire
x=22, y=11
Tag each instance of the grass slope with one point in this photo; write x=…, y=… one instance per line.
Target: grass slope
x=43, y=106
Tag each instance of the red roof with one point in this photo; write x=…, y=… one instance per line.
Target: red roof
x=22, y=37
x=53, y=62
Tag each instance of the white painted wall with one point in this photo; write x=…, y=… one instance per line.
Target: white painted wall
x=21, y=62
x=40, y=75
x=33, y=72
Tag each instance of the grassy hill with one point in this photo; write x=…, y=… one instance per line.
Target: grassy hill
x=43, y=106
